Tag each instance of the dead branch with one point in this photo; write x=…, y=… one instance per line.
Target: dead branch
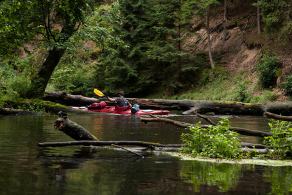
x=117, y=146
x=277, y=117
x=239, y=130
x=246, y=147
x=108, y=143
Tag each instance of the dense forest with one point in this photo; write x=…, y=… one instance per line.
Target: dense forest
x=182, y=49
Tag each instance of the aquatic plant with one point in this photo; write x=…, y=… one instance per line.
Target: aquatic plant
x=281, y=140
x=215, y=141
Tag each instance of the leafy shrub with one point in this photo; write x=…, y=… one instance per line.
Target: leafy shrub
x=268, y=68
x=281, y=140
x=19, y=84
x=212, y=75
x=287, y=85
x=214, y=141
x=241, y=93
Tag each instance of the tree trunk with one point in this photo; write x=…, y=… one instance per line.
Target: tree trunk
x=225, y=20
x=68, y=99
x=72, y=129
x=40, y=80
x=209, y=38
x=258, y=19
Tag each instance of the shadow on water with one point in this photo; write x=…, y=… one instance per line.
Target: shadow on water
x=27, y=169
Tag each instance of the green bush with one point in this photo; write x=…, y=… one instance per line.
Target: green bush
x=241, y=93
x=281, y=140
x=287, y=85
x=268, y=67
x=215, y=141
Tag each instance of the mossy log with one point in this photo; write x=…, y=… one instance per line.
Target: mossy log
x=72, y=129
x=196, y=106
x=68, y=99
x=239, y=130
x=12, y=111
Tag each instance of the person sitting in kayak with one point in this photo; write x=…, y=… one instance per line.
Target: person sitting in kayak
x=121, y=103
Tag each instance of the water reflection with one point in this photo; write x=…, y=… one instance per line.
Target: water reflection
x=221, y=176
x=27, y=169
x=280, y=179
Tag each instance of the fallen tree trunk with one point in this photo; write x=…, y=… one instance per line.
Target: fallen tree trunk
x=195, y=106
x=277, y=117
x=239, y=130
x=248, y=147
x=68, y=99
x=72, y=129
x=129, y=143
x=12, y=111
x=107, y=143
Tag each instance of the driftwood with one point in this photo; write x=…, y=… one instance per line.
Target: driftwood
x=239, y=130
x=68, y=99
x=72, y=129
x=277, y=117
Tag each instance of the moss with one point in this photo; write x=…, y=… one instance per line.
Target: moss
x=276, y=163
x=35, y=105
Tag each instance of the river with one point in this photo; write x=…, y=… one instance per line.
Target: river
x=27, y=169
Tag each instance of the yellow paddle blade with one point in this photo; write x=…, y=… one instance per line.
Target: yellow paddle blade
x=98, y=93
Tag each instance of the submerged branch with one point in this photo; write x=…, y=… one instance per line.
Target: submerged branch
x=117, y=146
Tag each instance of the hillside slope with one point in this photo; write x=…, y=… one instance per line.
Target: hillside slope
x=237, y=50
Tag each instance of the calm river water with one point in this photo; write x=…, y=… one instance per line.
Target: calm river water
x=27, y=169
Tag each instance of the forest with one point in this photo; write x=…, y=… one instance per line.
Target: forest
x=180, y=49
x=145, y=96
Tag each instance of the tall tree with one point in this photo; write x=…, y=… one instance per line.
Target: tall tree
x=54, y=21
x=204, y=7
x=151, y=54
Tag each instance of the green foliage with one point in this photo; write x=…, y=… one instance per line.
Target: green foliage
x=16, y=19
x=281, y=140
x=287, y=85
x=268, y=68
x=273, y=13
x=148, y=52
x=265, y=96
x=13, y=76
x=73, y=79
x=214, y=142
x=242, y=94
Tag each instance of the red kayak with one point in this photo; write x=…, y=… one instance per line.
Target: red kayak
x=112, y=109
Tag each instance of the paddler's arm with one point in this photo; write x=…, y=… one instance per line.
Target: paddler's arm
x=111, y=99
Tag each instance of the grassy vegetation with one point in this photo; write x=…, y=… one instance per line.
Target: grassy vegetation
x=225, y=87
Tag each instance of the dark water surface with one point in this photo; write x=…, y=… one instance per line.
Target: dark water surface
x=27, y=169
